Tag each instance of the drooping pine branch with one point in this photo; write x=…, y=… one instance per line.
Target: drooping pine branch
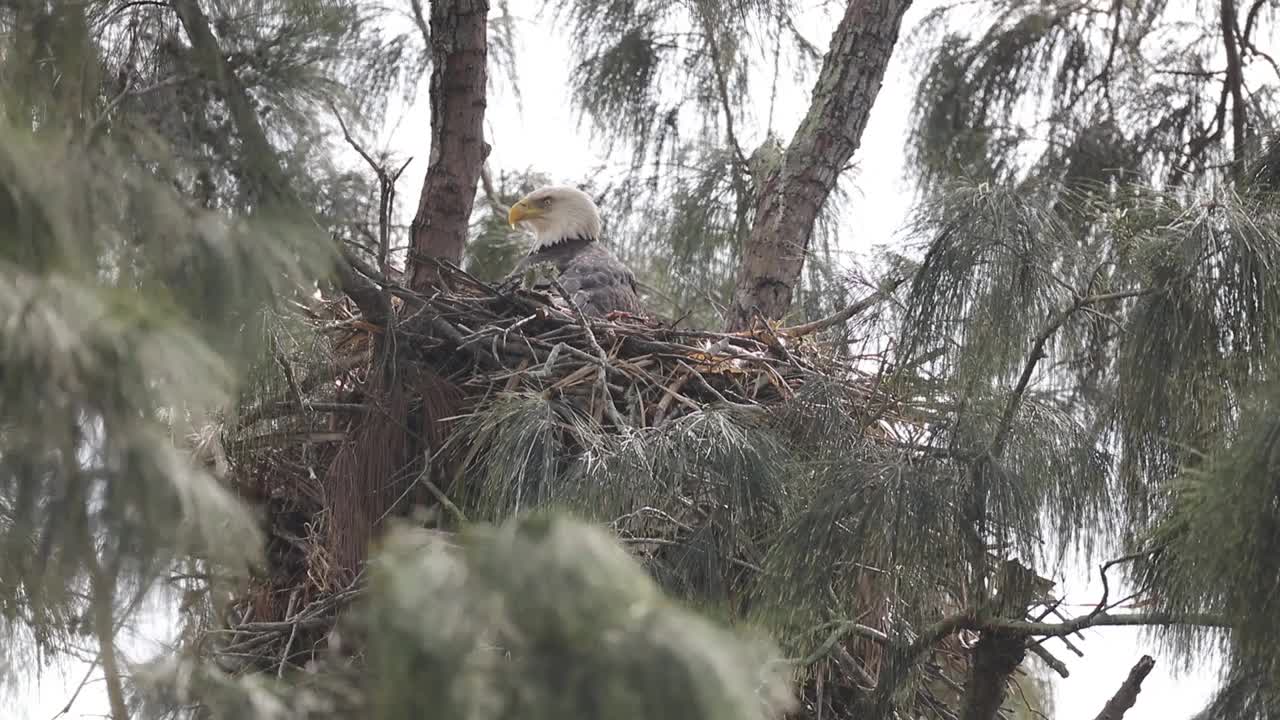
x=259, y=162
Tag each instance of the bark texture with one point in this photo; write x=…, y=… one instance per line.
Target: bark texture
x=788, y=204
x=999, y=652
x=1127, y=695
x=359, y=484
x=458, y=82
x=995, y=657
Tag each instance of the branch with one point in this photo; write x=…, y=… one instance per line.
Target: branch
x=847, y=627
x=359, y=286
x=101, y=605
x=79, y=688
x=840, y=317
x=1106, y=587
x=1127, y=695
x=1037, y=354
x=386, y=191
x=1041, y=629
x=899, y=660
x=722, y=87
x=491, y=195
x=258, y=159
x=420, y=21
x=1234, y=81
x=1054, y=663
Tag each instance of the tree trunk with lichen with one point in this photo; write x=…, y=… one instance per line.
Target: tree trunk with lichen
x=458, y=150
x=788, y=204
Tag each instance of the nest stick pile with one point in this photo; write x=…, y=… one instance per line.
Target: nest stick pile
x=484, y=341
x=621, y=369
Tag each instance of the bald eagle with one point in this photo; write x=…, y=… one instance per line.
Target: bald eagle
x=566, y=226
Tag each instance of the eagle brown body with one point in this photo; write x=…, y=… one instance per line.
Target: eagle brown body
x=598, y=283
x=567, y=227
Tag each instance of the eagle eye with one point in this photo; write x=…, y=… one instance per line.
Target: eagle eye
x=546, y=202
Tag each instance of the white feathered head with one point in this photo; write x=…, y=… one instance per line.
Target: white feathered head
x=557, y=213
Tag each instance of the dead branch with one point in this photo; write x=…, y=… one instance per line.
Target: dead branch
x=1127, y=695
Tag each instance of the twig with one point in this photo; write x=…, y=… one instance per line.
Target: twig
x=490, y=195
x=80, y=687
x=1022, y=694
x=443, y=500
x=1102, y=572
x=1038, y=353
x=1083, y=622
x=844, y=315
x=601, y=377
x=1057, y=665
x=288, y=613
x=287, y=369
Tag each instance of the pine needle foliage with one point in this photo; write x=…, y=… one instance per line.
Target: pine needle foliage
x=123, y=307
x=539, y=617
x=1216, y=554
x=530, y=451
x=1071, y=92
x=665, y=83
x=138, y=284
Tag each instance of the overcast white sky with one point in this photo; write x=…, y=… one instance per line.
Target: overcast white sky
x=544, y=135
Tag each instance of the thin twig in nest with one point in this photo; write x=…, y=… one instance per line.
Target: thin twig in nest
x=601, y=378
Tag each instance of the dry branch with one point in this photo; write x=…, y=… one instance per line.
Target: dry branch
x=1127, y=695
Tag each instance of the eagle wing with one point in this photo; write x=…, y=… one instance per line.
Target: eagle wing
x=599, y=283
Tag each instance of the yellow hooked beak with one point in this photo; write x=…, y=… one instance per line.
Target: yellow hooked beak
x=522, y=211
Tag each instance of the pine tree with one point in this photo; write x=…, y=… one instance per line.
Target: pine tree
x=1075, y=354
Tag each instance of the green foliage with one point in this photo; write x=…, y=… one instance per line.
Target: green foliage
x=586, y=630
x=669, y=84
x=1083, y=357
x=123, y=312
x=540, y=617
x=1217, y=553
x=135, y=285
x=1071, y=92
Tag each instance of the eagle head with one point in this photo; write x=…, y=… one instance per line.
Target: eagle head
x=557, y=213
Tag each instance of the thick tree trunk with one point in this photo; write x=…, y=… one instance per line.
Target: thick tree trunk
x=1127, y=695
x=358, y=483
x=998, y=654
x=995, y=657
x=789, y=202
x=457, y=93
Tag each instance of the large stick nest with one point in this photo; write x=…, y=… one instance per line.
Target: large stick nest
x=413, y=365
